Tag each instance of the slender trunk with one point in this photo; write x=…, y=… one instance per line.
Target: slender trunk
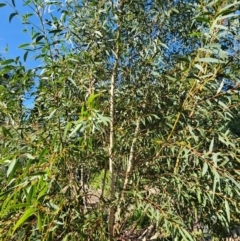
x=112, y=209
x=130, y=160
x=111, y=154
x=130, y=165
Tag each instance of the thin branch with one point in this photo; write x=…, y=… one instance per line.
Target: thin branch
x=131, y=156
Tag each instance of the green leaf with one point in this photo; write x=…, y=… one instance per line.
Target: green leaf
x=40, y=223
x=234, y=181
x=55, y=31
x=12, y=167
x=34, y=35
x=18, y=206
x=44, y=189
x=231, y=15
x=23, y=45
x=25, y=56
x=76, y=129
x=11, y=16
x=210, y=60
x=202, y=19
x=43, y=153
x=2, y=4
x=38, y=174
x=68, y=126
x=29, y=195
x=13, y=3
x=211, y=146
x=6, y=132
x=51, y=114
x=91, y=98
x=220, y=87
x=223, y=105
x=205, y=168
x=192, y=133
x=28, y=213
x=186, y=236
x=39, y=38
x=198, y=66
x=8, y=61
x=227, y=210
x=29, y=156
x=229, y=6
x=215, y=159
x=104, y=119
x=215, y=180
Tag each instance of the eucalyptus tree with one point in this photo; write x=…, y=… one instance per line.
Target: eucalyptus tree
x=130, y=88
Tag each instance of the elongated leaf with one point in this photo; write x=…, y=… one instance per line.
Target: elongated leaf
x=76, y=129
x=29, y=195
x=211, y=146
x=11, y=16
x=29, y=156
x=8, y=61
x=17, y=206
x=40, y=222
x=28, y=213
x=12, y=167
x=23, y=45
x=229, y=6
x=220, y=87
x=2, y=4
x=202, y=19
x=186, y=236
x=225, y=12
x=228, y=16
x=43, y=192
x=91, y=99
x=205, y=168
x=55, y=31
x=51, y=114
x=199, y=67
x=35, y=35
x=215, y=181
x=25, y=56
x=234, y=181
x=227, y=210
x=39, y=38
x=68, y=126
x=210, y=60
x=223, y=105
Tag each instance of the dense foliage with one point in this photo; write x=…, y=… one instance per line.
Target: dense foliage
x=135, y=127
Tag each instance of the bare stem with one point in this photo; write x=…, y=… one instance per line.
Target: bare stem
x=130, y=165
x=112, y=209
x=130, y=160
x=111, y=154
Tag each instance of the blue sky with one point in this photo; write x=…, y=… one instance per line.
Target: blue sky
x=12, y=35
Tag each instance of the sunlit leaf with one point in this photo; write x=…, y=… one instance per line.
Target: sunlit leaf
x=211, y=146
x=23, y=45
x=12, y=167
x=28, y=213
x=8, y=61
x=210, y=60
x=40, y=221
x=205, y=168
